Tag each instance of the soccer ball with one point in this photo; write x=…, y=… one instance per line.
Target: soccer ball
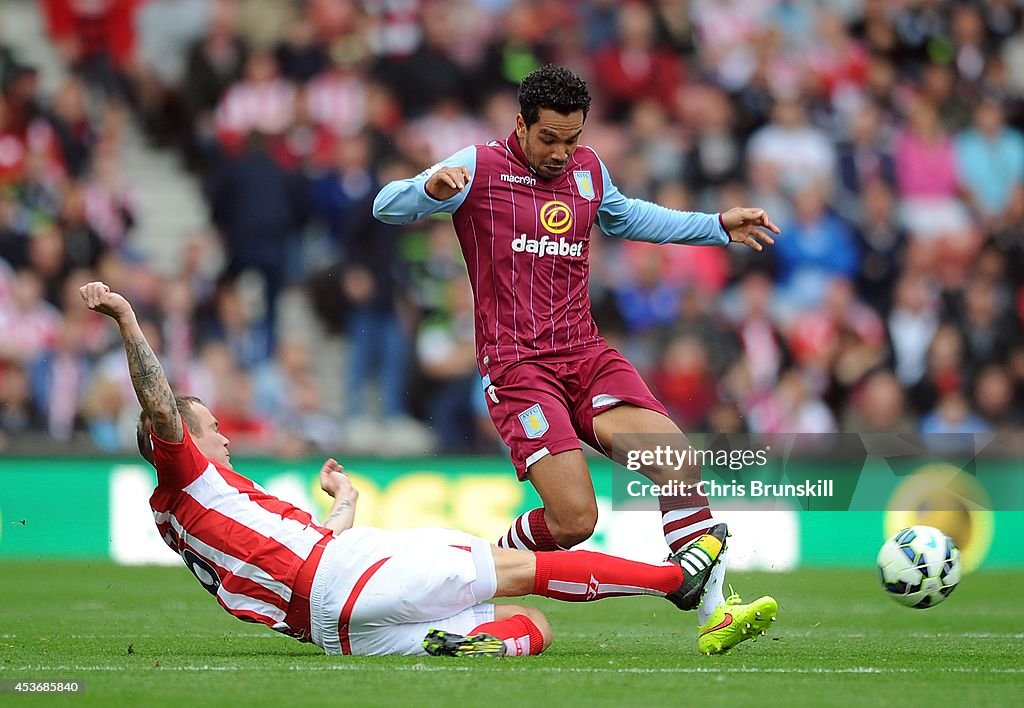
x=919, y=566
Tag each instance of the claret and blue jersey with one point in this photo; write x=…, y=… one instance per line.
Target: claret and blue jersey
x=526, y=243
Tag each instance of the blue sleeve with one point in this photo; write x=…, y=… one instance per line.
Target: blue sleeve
x=637, y=220
x=405, y=200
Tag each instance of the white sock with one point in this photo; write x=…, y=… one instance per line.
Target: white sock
x=714, y=597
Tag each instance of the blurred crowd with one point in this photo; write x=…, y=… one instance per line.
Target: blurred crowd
x=884, y=137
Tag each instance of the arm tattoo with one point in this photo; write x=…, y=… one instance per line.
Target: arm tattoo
x=341, y=515
x=151, y=386
x=343, y=507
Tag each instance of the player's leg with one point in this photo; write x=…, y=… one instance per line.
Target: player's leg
x=516, y=630
x=528, y=408
x=584, y=576
x=620, y=414
x=617, y=413
x=570, y=507
x=626, y=428
x=629, y=428
x=371, y=579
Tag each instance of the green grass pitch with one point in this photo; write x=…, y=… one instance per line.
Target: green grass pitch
x=152, y=636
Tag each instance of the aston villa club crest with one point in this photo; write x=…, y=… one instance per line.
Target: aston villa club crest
x=534, y=422
x=584, y=183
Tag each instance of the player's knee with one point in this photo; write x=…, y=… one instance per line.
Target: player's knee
x=573, y=529
x=540, y=622
x=666, y=474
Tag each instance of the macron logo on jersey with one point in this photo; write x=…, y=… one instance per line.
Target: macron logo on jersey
x=546, y=247
x=519, y=179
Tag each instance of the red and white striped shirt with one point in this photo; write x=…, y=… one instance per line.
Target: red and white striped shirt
x=267, y=107
x=245, y=546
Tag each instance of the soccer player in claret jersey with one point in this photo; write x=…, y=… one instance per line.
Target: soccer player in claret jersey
x=358, y=590
x=523, y=209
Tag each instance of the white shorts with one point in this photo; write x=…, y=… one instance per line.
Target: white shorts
x=378, y=591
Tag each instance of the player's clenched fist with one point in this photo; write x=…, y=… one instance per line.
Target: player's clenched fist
x=99, y=297
x=447, y=182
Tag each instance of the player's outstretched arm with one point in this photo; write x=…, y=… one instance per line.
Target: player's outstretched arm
x=148, y=378
x=335, y=482
x=442, y=188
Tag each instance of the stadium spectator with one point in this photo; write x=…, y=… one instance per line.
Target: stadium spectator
x=685, y=380
x=946, y=372
x=30, y=324
x=442, y=129
x=262, y=103
x=306, y=147
x=111, y=201
x=716, y=155
x=864, y=158
x=430, y=74
x=258, y=206
x=13, y=239
x=446, y=356
x=239, y=324
x=299, y=54
x=927, y=178
x=336, y=191
x=647, y=299
x=307, y=427
x=60, y=376
x=789, y=145
x=878, y=406
x=763, y=352
x=239, y=417
x=339, y=97
x=989, y=329
x=96, y=39
x=654, y=137
x=18, y=412
x=882, y=244
x=373, y=288
x=912, y=323
x=215, y=62
x=633, y=67
x=522, y=46
x=72, y=127
x=990, y=162
x=793, y=407
x=274, y=380
x=993, y=398
x=818, y=246
x=837, y=63
x=948, y=424
x=165, y=30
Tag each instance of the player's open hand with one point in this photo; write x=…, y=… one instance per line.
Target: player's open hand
x=335, y=482
x=447, y=182
x=99, y=297
x=746, y=226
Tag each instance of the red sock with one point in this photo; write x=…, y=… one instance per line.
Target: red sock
x=683, y=524
x=529, y=532
x=582, y=576
x=520, y=634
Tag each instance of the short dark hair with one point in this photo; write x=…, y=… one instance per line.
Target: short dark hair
x=555, y=88
x=145, y=425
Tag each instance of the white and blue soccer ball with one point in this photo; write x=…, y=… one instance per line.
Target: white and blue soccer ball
x=919, y=566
